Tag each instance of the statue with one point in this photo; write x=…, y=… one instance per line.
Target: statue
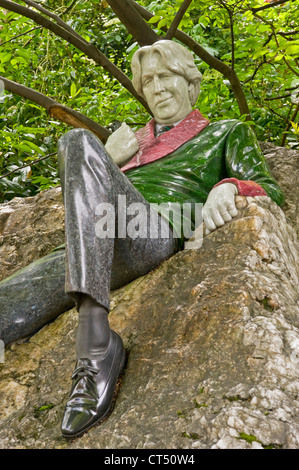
x=178, y=157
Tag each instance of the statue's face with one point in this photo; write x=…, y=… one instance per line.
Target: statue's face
x=165, y=92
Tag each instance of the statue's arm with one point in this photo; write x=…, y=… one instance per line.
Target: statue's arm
x=245, y=161
x=122, y=144
x=248, y=175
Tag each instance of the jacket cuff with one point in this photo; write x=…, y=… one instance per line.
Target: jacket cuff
x=245, y=188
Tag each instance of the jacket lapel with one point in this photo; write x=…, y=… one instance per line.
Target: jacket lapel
x=152, y=148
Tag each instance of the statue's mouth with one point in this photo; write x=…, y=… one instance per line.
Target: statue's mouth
x=163, y=101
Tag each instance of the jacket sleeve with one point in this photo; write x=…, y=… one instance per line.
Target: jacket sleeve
x=246, y=163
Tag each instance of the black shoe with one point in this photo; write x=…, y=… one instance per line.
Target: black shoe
x=93, y=387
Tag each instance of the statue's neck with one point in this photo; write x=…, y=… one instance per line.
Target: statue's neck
x=158, y=126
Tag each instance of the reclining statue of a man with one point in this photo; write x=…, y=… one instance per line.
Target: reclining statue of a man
x=179, y=157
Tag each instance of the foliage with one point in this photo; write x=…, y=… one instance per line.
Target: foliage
x=264, y=54
x=263, y=50
x=45, y=63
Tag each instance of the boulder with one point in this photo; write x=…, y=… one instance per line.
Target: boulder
x=211, y=337
x=30, y=228
x=284, y=165
x=213, y=351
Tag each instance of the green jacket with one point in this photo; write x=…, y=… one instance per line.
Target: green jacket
x=224, y=149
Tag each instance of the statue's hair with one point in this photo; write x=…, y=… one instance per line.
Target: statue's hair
x=176, y=57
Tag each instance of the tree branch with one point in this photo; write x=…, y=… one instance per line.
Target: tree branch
x=278, y=97
x=269, y=5
x=88, y=49
x=284, y=59
x=134, y=22
x=264, y=61
x=289, y=125
x=230, y=14
x=69, y=8
x=189, y=42
x=19, y=35
x=33, y=162
x=177, y=19
x=56, y=110
x=54, y=17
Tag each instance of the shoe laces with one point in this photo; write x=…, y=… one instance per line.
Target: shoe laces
x=84, y=385
x=84, y=370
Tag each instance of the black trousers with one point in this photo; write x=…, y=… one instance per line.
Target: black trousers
x=96, y=260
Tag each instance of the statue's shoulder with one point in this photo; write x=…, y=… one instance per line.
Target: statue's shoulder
x=224, y=122
x=218, y=128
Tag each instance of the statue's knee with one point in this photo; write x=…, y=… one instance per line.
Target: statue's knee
x=76, y=147
x=74, y=136
x=71, y=145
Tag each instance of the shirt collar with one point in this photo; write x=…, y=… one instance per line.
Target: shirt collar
x=158, y=126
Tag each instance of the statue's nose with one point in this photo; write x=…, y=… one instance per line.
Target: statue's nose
x=158, y=85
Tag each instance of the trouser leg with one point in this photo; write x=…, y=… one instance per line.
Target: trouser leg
x=35, y=295
x=92, y=182
x=96, y=264
x=32, y=297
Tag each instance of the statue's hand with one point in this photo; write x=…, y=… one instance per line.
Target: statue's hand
x=220, y=206
x=122, y=144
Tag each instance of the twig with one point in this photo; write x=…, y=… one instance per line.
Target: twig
x=289, y=125
x=289, y=113
x=230, y=14
x=69, y=8
x=177, y=19
x=19, y=35
x=274, y=112
x=278, y=97
x=54, y=17
x=291, y=88
x=256, y=70
x=34, y=162
x=284, y=59
x=269, y=5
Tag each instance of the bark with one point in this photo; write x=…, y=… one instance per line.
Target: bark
x=56, y=110
x=53, y=16
x=133, y=21
x=178, y=17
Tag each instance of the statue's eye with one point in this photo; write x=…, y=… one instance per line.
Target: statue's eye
x=146, y=81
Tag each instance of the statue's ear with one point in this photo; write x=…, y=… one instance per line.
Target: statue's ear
x=191, y=90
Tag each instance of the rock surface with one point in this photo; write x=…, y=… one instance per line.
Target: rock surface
x=284, y=165
x=213, y=351
x=211, y=335
x=32, y=227
x=29, y=229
